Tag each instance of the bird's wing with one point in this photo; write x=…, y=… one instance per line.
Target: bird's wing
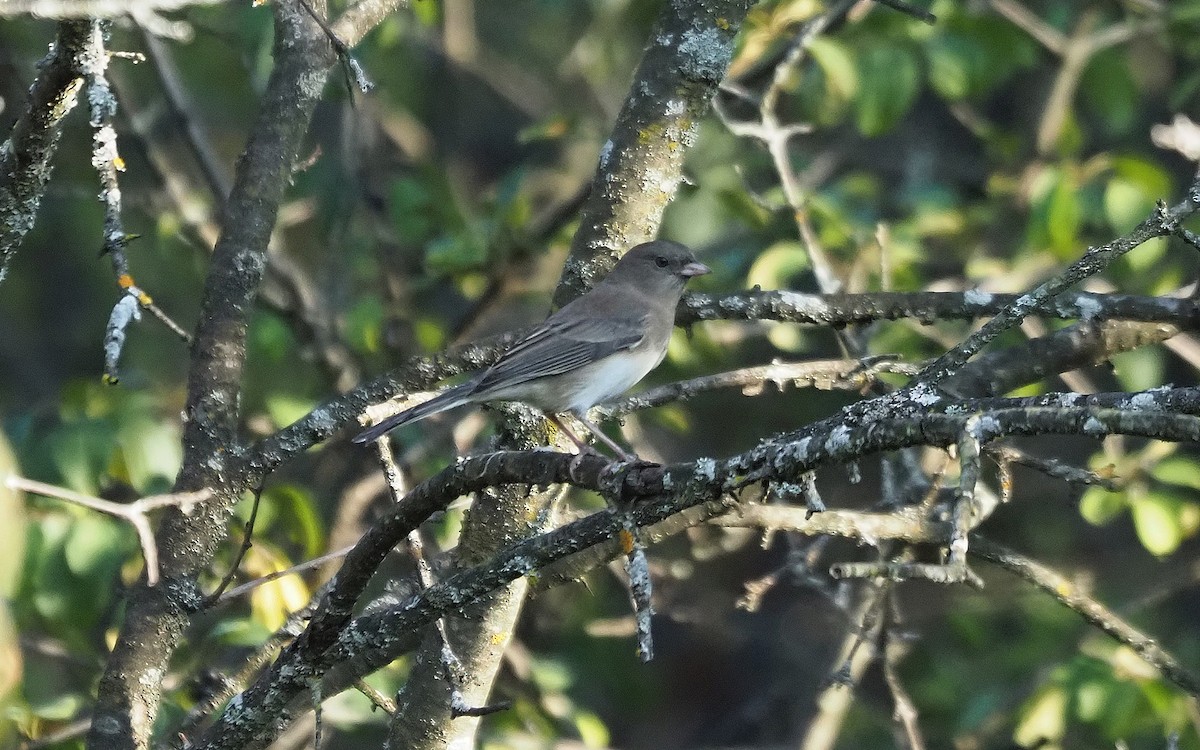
x=559, y=346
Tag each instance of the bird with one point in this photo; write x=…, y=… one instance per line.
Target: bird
x=592, y=349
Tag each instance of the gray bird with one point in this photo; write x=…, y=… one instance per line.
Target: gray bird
x=591, y=350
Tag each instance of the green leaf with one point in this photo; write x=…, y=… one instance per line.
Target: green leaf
x=1125, y=204
x=840, y=77
x=891, y=79
x=1098, y=506
x=1063, y=216
x=410, y=208
x=53, y=704
x=778, y=265
x=456, y=253
x=592, y=731
x=94, y=547
x=955, y=65
x=1133, y=189
x=1109, y=91
x=286, y=408
x=363, y=324
x=1045, y=717
x=149, y=450
x=1138, y=370
x=297, y=506
x=240, y=631
x=1156, y=517
x=1178, y=470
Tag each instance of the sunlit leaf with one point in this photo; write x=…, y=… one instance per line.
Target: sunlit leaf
x=778, y=265
x=12, y=524
x=1044, y=718
x=840, y=73
x=1179, y=470
x=592, y=731
x=297, y=507
x=285, y=408
x=272, y=602
x=1156, y=517
x=1099, y=506
x=1138, y=370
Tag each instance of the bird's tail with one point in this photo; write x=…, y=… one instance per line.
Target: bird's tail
x=444, y=401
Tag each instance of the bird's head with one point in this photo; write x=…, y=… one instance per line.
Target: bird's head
x=660, y=266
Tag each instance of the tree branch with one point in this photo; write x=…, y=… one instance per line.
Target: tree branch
x=26, y=157
x=689, y=50
x=130, y=687
x=373, y=639
x=1068, y=594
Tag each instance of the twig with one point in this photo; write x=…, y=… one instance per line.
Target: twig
x=134, y=513
x=858, y=651
x=183, y=109
x=1163, y=222
x=102, y=108
x=905, y=7
x=315, y=562
x=1051, y=467
x=378, y=699
x=355, y=75
x=963, y=516
x=77, y=728
x=452, y=666
x=775, y=137
x=247, y=541
x=904, y=711
x=826, y=374
x=1070, y=595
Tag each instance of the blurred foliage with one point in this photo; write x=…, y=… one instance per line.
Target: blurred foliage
x=420, y=219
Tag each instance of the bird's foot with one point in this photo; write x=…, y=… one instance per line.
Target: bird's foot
x=585, y=450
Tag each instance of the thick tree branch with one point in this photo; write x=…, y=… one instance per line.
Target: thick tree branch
x=928, y=307
x=130, y=688
x=420, y=373
x=641, y=165
x=656, y=493
x=25, y=158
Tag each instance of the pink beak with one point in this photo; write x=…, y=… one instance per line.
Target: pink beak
x=694, y=269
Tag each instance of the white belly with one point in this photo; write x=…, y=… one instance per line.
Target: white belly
x=611, y=377
x=582, y=389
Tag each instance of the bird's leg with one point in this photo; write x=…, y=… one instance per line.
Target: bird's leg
x=579, y=443
x=584, y=448
x=623, y=454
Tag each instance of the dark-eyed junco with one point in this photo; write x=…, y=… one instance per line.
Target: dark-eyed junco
x=592, y=349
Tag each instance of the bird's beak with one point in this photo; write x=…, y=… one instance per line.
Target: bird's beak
x=694, y=269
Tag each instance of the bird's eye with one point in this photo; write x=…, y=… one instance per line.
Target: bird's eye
x=661, y=262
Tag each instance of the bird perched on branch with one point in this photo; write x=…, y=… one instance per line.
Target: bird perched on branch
x=592, y=349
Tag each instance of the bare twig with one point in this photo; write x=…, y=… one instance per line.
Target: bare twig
x=315, y=562
x=1069, y=594
x=135, y=513
x=1162, y=223
x=247, y=541
x=828, y=374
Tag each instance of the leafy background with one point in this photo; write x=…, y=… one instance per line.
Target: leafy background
x=417, y=221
